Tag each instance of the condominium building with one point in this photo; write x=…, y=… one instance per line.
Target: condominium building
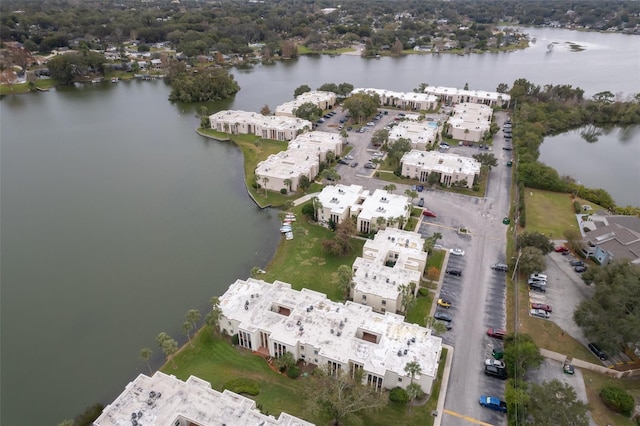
x=450, y=168
x=404, y=100
x=272, y=319
x=390, y=268
x=165, y=400
x=419, y=133
x=301, y=158
x=470, y=122
x=265, y=126
x=453, y=95
x=372, y=211
x=323, y=100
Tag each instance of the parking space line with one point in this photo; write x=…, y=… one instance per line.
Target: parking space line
x=467, y=418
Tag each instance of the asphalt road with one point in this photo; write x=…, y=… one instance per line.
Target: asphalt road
x=478, y=296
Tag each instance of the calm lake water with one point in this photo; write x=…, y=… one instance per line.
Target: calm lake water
x=117, y=218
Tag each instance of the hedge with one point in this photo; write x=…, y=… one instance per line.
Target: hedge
x=243, y=386
x=617, y=399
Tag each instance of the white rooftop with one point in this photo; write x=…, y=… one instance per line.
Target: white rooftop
x=384, y=204
x=331, y=327
x=316, y=142
x=254, y=118
x=417, y=132
x=405, y=96
x=286, y=164
x=163, y=400
x=339, y=198
x=454, y=91
x=315, y=97
x=441, y=162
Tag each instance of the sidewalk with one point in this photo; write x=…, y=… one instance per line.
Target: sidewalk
x=304, y=198
x=443, y=388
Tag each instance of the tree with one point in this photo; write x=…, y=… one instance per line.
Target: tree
x=486, y=159
x=380, y=221
x=186, y=328
x=414, y=391
x=574, y=239
x=329, y=87
x=265, y=181
x=339, y=395
x=193, y=316
x=300, y=90
x=466, y=86
x=168, y=345
x=285, y=361
x=612, y=316
x=433, y=178
x=287, y=183
x=398, y=148
x=502, y=88
x=558, y=401
x=344, y=280
x=531, y=260
x=330, y=174
x=317, y=205
x=411, y=194
x=145, y=355
x=304, y=183
x=212, y=85
x=361, y=105
x=517, y=399
x=390, y=188
x=413, y=369
x=308, y=111
x=330, y=157
x=289, y=49
x=436, y=326
x=265, y=110
x=213, y=317
x=407, y=296
x=534, y=239
x=520, y=354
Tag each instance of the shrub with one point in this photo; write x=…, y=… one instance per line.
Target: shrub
x=308, y=210
x=522, y=220
x=283, y=191
x=423, y=291
x=243, y=386
x=293, y=372
x=235, y=340
x=577, y=207
x=617, y=399
x=399, y=396
x=254, y=185
x=397, y=173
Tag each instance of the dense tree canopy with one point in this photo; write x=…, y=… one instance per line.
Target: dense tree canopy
x=558, y=401
x=612, y=316
x=71, y=67
x=213, y=84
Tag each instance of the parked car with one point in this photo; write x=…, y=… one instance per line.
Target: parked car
x=497, y=333
x=493, y=403
x=457, y=252
x=354, y=164
x=540, y=277
x=493, y=371
x=443, y=316
x=541, y=306
x=580, y=269
x=342, y=161
x=371, y=123
x=421, y=202
x=540, y=313
x=448, y=324
x=495, y=362
x=419, y=188
x=369, y=166
x=567, y=367
x=598, y=352
x=428, y=213
x=576, y=262
x=560, y=249
x=453, y=271
x=533, y=281
x=497, y=353
x=500, y=267
x=348, y=157
x=444, y=303
x=537, y=286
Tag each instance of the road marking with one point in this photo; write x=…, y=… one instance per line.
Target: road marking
x=467, y=418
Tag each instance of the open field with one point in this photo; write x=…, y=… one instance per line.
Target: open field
x=15, y=89
x=601, y=414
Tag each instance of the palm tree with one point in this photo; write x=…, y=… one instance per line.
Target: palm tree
x=186, y=328
x=389, y=188
x=193, y=316
x=401, y=220
x=288, y=183
x=411, y=194
x=169, y=348
x=344, y=280
x=265, y=180
x=413, y=369
x=380, y=222
x=145, y=355
x=317, y=205
x=213, y=317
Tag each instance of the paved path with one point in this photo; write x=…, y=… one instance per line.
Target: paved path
x=304, y=198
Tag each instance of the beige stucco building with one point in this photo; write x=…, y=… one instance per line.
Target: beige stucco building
x=450, y=167
x=453, y=95
x=470, y=122
x=273, y=319
x=392, y=260
x=265, y=126
x=405, y=100
x=420, y=133
x=323, y=100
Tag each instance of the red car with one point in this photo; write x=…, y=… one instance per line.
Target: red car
x=561, y=249
x=498, y=333
x=541, y=306
x=428, y=213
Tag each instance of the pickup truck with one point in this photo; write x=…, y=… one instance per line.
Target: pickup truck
x=493, y=403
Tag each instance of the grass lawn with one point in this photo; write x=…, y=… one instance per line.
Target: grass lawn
x=550, y=213
x=302, y=263
x=421, y=309
x=43, y=83
x=601, y=414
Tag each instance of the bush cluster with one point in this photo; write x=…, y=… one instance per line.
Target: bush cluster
x=577, y=207
x=617, y=399
x=243, y=386
x=399, y=396
x=293, y=372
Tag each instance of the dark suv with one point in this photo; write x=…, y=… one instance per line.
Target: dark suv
x=598, y=352
x=500, y=267
x=454, y=271
x=492, y=370
x=538, y=286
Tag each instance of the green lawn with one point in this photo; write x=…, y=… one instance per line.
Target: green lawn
x=601, y=414
x=302, y=263
x=15, y=89
x=550, y=213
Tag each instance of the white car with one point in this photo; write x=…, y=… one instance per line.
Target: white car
x=541, y=313
x=348, y=157
x=457, y=252
x=495, y=362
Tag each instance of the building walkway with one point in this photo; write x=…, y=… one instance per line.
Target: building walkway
x=304, y=198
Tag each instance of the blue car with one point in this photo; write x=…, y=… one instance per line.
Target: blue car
x=493, y=403
x=419, y=188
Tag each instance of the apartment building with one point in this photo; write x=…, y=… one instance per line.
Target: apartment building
x=419, y=133
x=323, y=100
x=272, y=319
x=265, y=126
x=165, y=400
x=404, y=100
x=450, y=168
x=390, y=266
x=453, y=95
x=470, y=122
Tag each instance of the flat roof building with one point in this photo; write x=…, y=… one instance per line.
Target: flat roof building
x=392, y=260
x=453, y=95
x=451, y=168
x=420, y=133
x=323, y=100
x=265, y=126
x=404, y=100
x=470, y=122
x=273, y=319
x=340, y=202
x=302, y=158
x=166, y=400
